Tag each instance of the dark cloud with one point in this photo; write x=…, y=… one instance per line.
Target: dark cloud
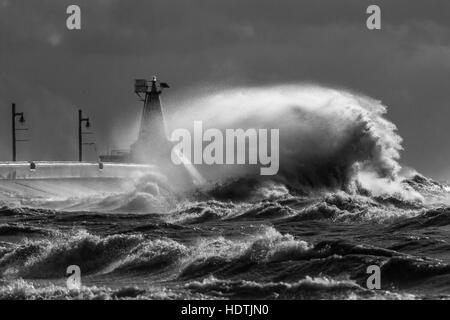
x=45, y=67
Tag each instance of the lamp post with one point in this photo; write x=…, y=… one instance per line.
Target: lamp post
x=14, y=115
x=80, y=133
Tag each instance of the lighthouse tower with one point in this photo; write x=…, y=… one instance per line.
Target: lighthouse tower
x=152, y=145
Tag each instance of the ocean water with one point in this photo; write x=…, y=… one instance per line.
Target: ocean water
x=281, y=247
x=341, y=202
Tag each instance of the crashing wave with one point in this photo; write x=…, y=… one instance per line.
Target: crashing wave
x=308, y=288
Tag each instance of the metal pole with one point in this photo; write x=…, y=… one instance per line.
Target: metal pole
x=80, y=137
x=13, y=119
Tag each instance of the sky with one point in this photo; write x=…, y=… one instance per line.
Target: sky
x=50, y=72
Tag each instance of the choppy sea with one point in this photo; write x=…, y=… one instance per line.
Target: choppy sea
x=280, y=246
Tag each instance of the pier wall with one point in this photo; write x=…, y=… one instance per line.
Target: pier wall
x=66, y=170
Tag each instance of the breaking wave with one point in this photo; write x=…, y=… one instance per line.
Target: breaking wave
x=268, y=264
x=50, y=258
x=321, y=288
x=326, y=135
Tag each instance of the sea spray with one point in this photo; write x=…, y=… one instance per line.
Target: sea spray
x=326, y=135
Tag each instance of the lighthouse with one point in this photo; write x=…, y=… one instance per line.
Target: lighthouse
x=152, y=144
